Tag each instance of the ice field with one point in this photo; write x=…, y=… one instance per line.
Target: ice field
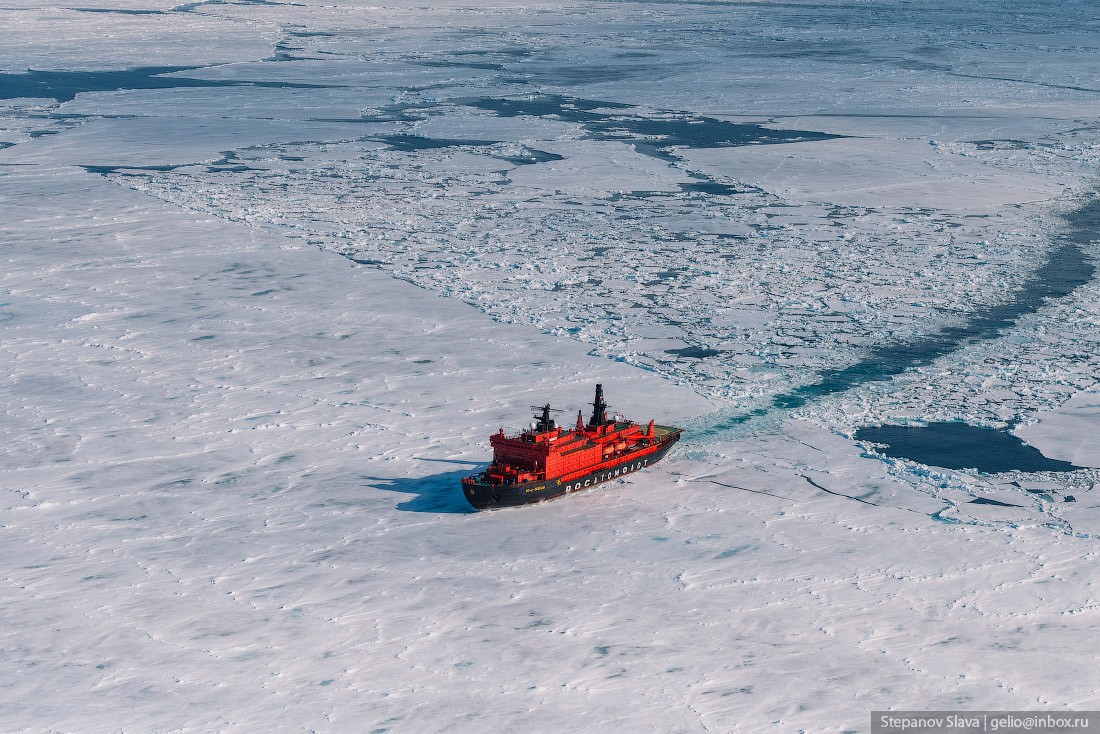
x=275, y=271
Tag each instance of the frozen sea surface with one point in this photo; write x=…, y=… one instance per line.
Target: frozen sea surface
x=273, y=272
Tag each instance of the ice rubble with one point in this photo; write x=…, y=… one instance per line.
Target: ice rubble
x=606, y=246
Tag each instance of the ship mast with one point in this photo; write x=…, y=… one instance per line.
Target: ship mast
x=543, y=421
x=599, y=409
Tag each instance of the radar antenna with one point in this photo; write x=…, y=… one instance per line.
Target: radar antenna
x=543, y=421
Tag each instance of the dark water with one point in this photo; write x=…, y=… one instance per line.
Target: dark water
x=614, y=121
x=485, y=65
x=695, y=352
x=1066, y=268
x=63, y=86
x=713, y=188
x=961, y=446
x=409, y=143
x=107, y=170
x=566, y=108
x=189, y=7
x=995, y=503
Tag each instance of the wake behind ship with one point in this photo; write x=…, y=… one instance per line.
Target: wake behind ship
x=547, y=461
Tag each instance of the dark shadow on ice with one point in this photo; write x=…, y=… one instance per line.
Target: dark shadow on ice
x=456, y=462
x=436, y=493
x=961, y=446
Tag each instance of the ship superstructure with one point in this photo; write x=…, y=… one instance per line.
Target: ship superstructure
x=546, y=461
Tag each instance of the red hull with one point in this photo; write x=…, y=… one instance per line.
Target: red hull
x=547, y=461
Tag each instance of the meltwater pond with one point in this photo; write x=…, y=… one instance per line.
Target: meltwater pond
x=961, y=446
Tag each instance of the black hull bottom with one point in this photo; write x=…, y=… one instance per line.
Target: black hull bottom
x=495, y=497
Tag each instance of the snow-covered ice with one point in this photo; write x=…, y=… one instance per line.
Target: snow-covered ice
x=273, y=272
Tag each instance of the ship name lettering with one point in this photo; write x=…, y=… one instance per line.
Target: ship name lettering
x=597, y=478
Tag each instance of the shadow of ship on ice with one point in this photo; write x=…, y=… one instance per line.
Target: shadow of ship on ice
x=438, y=493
